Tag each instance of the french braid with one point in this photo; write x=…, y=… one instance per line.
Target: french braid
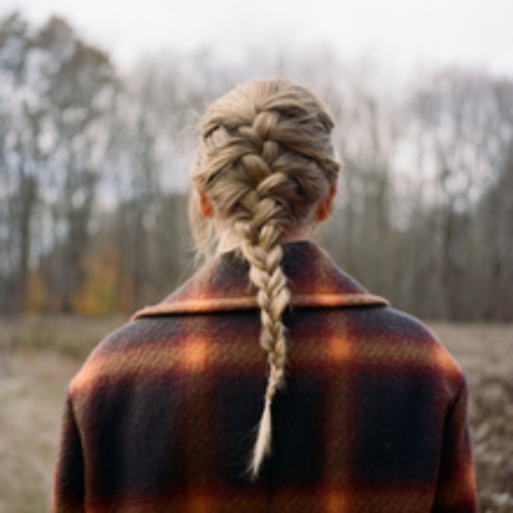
x=264, y=159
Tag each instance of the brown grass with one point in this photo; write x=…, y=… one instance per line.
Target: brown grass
x=485, y=353
x=31, y=392
x=39, y=356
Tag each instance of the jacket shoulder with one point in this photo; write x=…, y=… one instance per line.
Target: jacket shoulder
x=405, y=340
x=126, y=351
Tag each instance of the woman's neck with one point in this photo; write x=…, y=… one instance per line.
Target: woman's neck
x=229, y=240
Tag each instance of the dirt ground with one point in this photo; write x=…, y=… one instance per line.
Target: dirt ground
x=38, y=358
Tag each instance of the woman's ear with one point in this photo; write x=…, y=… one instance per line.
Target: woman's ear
x=206, y=207
x=325, y=204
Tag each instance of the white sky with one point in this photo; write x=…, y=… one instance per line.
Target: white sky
x=401, y=33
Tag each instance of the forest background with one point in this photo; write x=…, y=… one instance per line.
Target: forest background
x=94, y=164
x=94, y=175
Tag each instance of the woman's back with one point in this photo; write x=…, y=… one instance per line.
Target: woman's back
x=372, y=419
x=270, y=381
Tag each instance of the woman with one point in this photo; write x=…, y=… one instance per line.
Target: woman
x=344, y=405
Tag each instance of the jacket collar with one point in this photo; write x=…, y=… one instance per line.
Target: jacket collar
x=223, y=285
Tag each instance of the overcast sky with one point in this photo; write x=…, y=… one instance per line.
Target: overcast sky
x=402, y=33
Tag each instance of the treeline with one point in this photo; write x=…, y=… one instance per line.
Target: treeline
x=94, y=168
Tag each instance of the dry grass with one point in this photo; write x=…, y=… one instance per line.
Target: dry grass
x=67, y=335
x=39, y=356
x=486, y=354
x=31, y=393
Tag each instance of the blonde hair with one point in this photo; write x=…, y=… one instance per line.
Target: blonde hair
x=264, y=159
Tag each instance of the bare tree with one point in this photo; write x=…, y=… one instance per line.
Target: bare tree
x=456, y=112
x=82, y=87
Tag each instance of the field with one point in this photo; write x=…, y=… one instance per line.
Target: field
x=39, y=356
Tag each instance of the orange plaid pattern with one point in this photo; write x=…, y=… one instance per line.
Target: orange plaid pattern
x=162, y=415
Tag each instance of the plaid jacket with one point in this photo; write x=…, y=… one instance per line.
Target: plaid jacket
x=162, y=416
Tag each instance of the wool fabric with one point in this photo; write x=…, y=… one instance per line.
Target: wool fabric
x=162, y=416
